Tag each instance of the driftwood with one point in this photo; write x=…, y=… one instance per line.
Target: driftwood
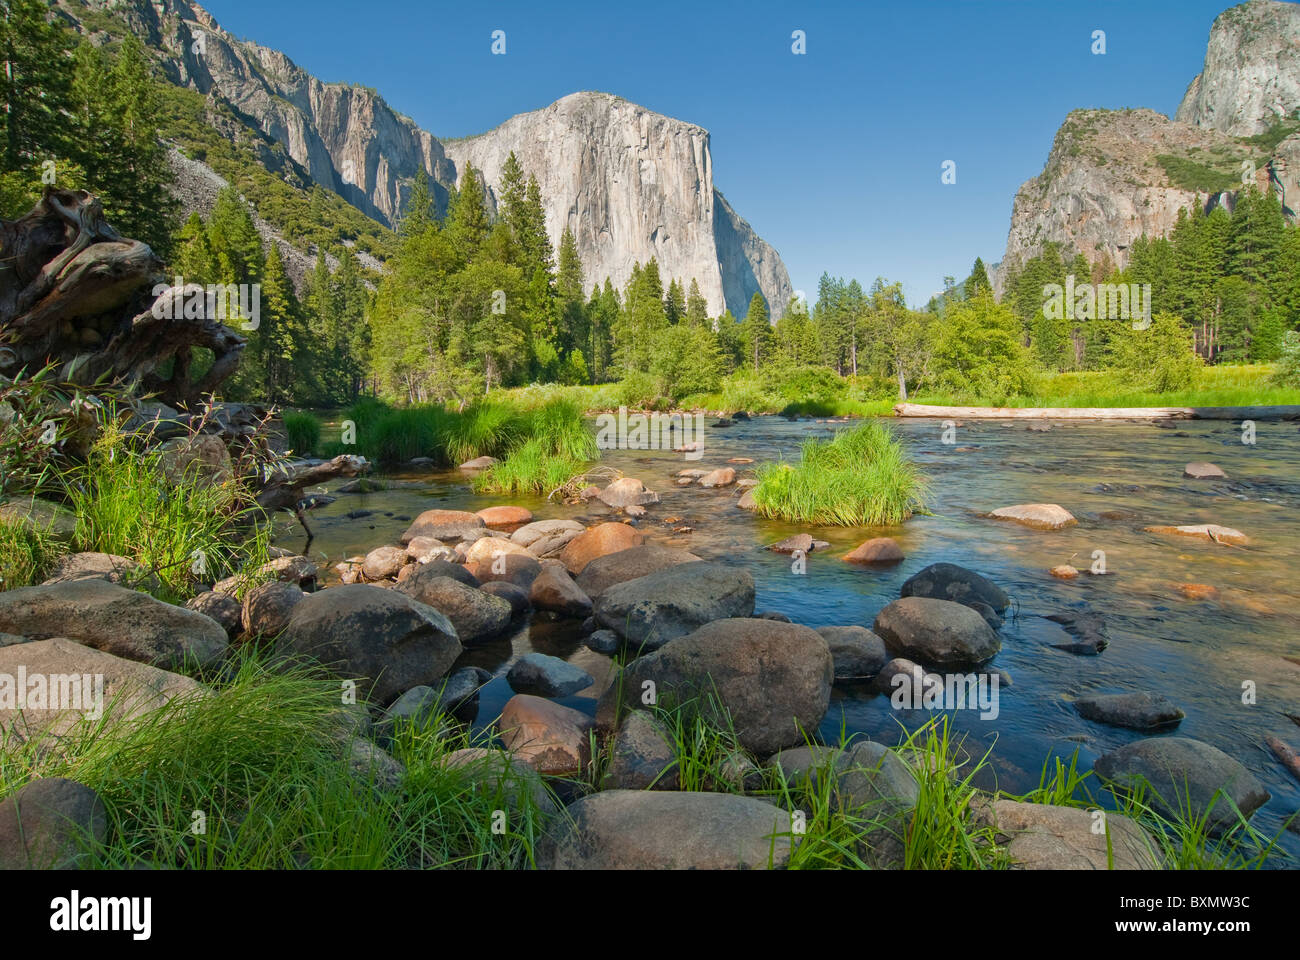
x=283, y=489
x=1285, y=754
x=75, y=292
x=1097, y=413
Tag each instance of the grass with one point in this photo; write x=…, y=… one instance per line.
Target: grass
x=180, y=527
x=861, y=477
x=557, y=445
x=303, y=431
x=26, y=555
x=256, y=775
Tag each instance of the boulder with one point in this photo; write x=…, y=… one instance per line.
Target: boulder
x=1204, y=531
x=43, y=516
x=799, y=543
x=511, y=593
x=116, y=620
x=546, y=676
x=627, y=492
x=285, y=569
x=201, y=460
x=519, y=569
x=455, y=696
x=1040, y=836
x=480, y=463
x=98, y=566
x=550, y=738
x=128, y=689
x=50, y=824
x=1040, y=516
x=643, y=756
x=722, y=477
x=487, y=549
x=856, y=652
x=497, y=773
x=1200, y=470
x=747, y=501
x=382, y=563
x=773, y=678
x=1185, y=775
x=876, y=550
x=604, y=572
x=1137, y=711
x=947, y=581
x=224, y=608
x=654, y=830
x=371, y=765
x=936, y=632
x=443, y=525
x=443, y=568
x=554, y=590
x=654, y=609
x=268, y=607
x=542, y=529
x=505, y=517
x=603, y=641
x=385, y=640
x=475, y=615
x=427, y=549
x=599, y=541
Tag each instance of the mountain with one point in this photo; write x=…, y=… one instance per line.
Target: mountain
x=629, y=182
x=1114, y=175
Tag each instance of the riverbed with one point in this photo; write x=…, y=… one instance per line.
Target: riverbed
x=1231, y=662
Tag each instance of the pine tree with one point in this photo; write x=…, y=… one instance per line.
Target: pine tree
x=674, y=303
x=697, y=308
x=978, y=281
x=756, y=332
x=417, y=216
x=467, y=219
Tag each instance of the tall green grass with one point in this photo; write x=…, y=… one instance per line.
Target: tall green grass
x=556, y=446
x=26, y=554
x=302, y=430
x=861, y=477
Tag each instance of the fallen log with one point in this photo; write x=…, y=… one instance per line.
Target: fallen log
x=1279, y=412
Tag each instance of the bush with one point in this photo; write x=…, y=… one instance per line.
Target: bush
x=861, y=477
x=1288, y=363
x=1160, y=357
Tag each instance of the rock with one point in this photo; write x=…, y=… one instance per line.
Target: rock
x=747, y=501
x=604, y=572
x=443, y=525
x=545, y=676
x=876, y=550
x=50, y=824
x=116, y=620
x=872, y=780
x=511, y=593
x=554, y=590
x=1204, y=531
x=1086, y=627
x=722, y=477
x=98, y=566
x=799, y=543
x=599, y=541
x=497, y=773
x=550, y=738
x=1198, y=591
x=1040, y=836
x=545, y=529
x=1137, y=711
x=289, y=569
x=519, y=569
x=129, y=689
x=899, y=666
x=773, y=615
x=653, y=830
x=505, y=517
x=1185, y=775
x=455, y=696
x=221, y=607
x=773, y=678
x=936, y=632
x=691, y=474
x=603, y=641
x=856, y=652
x=443, y=568
x=41, y=515
x=475, y=615
x=268, y=607
x=1040, y=516
x=589, y=492
x=487, y=549
x=1064, y=572
x=480, y=463
x=947, y=581
x=643, y=757
x=201, y=460
x=385, y=640
x=634, y=511
x=1200, y=470
x=798, y=763
x=362, y=485
x=627, y=492
x=669, y=603
x=427, y=549
x=371, y=765
x=384, y=562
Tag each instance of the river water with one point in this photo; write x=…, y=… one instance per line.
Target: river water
x=1231, y=662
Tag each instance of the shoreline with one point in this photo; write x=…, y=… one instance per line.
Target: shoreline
x=1271, y=412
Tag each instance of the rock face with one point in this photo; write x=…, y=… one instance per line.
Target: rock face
x=1251, y=73
x=381, y=638
x=116, y=620
x=630, y=183
x=652, y=830
x=774, y=678
x=1186, y=774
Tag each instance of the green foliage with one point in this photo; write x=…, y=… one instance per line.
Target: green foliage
x=303, y=432
x=979, y=352
x=861, y=477
x=1159, y=358
x=1288, y=365
x=1188, y=174
x=553, y=446
x=26, y=554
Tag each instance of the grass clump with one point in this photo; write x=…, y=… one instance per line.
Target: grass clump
x=861, y=477
x=303, y=432
x=26, y=554
x=558, y=447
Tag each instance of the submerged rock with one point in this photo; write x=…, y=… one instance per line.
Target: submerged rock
x=1040, y=516
x=1137, y=711
x=1200, y=470
x=1204, y=531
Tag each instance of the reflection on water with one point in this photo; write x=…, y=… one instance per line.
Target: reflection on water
x=1114, y=477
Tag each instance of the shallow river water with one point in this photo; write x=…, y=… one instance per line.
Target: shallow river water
x=1115, y=477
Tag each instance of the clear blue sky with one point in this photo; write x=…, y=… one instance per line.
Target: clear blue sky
x=834, y=157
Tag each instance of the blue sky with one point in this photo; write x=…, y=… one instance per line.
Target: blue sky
x=835, y=156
